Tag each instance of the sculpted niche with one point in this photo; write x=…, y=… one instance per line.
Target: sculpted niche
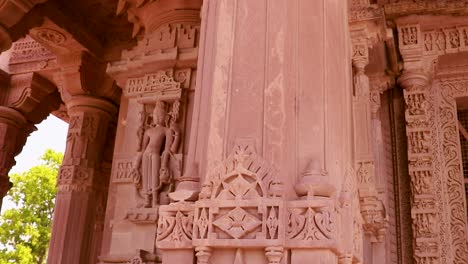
x=159, y=142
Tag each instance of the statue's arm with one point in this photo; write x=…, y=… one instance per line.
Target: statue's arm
x=176, y=142
x=169, y=141
x=145, y=141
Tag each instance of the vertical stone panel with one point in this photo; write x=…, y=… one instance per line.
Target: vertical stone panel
x=246, y=89
x=337, y=76
x=311, y=67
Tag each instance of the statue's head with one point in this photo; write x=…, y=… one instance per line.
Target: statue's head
x=159, y=112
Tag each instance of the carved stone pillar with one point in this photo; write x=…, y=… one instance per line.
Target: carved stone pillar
x=14, y=129
x=274, y=75
x=80, y=181
x=372, y=208
x=424, y=212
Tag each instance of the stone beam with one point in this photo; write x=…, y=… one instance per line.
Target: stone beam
x=11, y=13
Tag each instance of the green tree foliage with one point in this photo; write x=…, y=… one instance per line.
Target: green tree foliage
x=25, y=229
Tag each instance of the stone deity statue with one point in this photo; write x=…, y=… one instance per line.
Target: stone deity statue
x=160, y=142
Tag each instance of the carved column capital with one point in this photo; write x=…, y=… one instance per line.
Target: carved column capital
x=411, y=80
x=360, y=55
x=83, y=74
x=83, y=103
x=375, y=218
x=148, y=15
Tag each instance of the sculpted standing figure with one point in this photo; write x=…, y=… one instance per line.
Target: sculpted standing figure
x=156, y=146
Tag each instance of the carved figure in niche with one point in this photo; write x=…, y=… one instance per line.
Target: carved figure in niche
x=160, y=141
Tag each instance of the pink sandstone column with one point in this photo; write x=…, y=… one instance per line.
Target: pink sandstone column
x=80, y=182
x=14, y=129
x=276, y=75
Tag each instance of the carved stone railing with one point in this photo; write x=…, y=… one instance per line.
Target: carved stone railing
x=241, y=207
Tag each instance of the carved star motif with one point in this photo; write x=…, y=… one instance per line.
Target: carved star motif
x=237, y=223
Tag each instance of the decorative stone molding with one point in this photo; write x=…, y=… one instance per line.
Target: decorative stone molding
x=141, y=257
x=162, y=84
x=455, y=225
x=138, y=10
x=395, y=8
x=142, y=215
x=171, y=45
x=362, y=10
x=28, y=50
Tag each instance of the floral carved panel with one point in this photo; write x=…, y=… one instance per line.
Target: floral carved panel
x=451, y=162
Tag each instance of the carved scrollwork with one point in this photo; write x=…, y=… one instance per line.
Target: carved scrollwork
x=311, y=224
x=175, y=226
x=451, y=163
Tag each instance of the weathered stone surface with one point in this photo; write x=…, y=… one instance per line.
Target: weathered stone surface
x=247, y=131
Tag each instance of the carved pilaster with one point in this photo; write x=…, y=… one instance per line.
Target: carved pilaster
x=424, y=212
x=80, y=181
x=372, y=208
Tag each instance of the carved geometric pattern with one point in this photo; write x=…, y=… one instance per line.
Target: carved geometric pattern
x=237, y=223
